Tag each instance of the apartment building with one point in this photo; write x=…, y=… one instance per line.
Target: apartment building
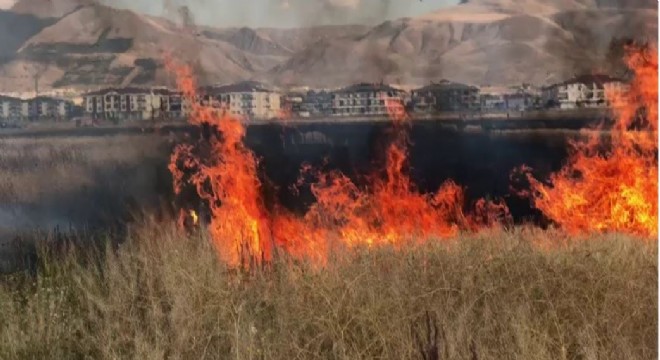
x=582, y=91
x=35, y=109
x=446, y=96
x=172, y=104
x=123, y=104
x=12, y=108
x=365, y=99
x=516, y=98
x=48, y=108
x=248, y=99
x=317, y=103
x=293, y=103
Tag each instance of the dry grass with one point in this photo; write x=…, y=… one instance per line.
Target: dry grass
x=79, y=182
x=31, y=168
x=494, y=296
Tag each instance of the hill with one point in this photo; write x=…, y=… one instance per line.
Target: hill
x=79, y=43
x=473, y=43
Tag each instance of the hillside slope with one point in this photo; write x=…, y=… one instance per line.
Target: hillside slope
x=92, y=45
x=472, y=43
x=79, y=43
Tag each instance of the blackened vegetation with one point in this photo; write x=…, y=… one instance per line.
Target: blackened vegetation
x=88, y=71
x=15, y=30
x=103, y=45
x=147, y=74
x=481, y=162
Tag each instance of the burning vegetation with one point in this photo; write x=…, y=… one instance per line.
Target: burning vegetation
x=603, y=187
x=612, y=187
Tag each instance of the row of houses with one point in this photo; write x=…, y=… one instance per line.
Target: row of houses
x=255, y=100
x=35, y=109
x=365, y=99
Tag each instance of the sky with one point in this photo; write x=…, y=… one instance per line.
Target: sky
x=284, y=13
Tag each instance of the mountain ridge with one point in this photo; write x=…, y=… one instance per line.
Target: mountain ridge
x=484, y=42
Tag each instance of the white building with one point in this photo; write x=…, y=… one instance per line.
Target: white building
x=35, y=109
x=128, y=103
x=12, y=108
x=365, y=99
x=47, y=108
x=582, y=91
x=248, y=99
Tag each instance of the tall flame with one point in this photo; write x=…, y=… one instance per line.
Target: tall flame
x=225, y=176
x=616, y=190
x=390, y=210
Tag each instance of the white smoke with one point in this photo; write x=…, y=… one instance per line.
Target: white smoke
x=282, y=13
x=6, y=4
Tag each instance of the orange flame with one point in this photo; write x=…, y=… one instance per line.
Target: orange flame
x=226, y=179
x=616, y=191
x=388, y=211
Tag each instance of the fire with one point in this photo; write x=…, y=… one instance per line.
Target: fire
x=595, y=191
x=616, y=190
x=390, y=210
x=224, y=173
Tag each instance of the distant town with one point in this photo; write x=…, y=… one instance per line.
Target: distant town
x=256, y=101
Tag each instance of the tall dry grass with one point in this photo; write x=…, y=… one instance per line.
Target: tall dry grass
x=163, y=294
x=96, y=181
x=34, y=168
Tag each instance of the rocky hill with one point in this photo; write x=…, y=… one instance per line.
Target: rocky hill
x=487, y=42
x=79, y=43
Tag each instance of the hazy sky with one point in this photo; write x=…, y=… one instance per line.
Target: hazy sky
x=285, y=13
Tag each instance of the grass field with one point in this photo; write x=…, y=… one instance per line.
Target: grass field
x=522, y=294
x=63, y=182
x=162, y=294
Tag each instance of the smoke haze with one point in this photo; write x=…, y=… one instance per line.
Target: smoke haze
x=285, y=13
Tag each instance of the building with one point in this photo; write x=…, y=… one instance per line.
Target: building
x=248, y=99
x=446, y=96
x=517, y=98
x=493, y=101
x=39, y=108
x=365, y=99
x=124, y=104
x=12, y=109
x=582, y=91
x=48, y=108
x=173, y=106
x=318, y=103
x=293, y=105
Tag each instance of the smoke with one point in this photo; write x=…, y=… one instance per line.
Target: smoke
x=6, y=4
x=277, y=13
x=597, y=39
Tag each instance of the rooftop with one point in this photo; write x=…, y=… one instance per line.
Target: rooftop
x=46, y=98
x=446, y=84
x=598, y=79
x=127, y=90
x=368, y=87
x=243, y=86
x=9, y=98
